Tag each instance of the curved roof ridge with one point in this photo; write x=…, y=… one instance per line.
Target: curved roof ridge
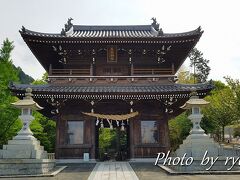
x=195, y=31
x=112, y=27
x=27, y=31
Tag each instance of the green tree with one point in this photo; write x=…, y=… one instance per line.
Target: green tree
x=8, y=114
x=218, y=86
x=107, y=140
x=7, y=71
x=200, y=64
x=209, y=125
x=221, y=110
x=184, y=76
x=5, y=51
x=44, y=129
x=179, y=128
x=43, y=80
x=235, y=87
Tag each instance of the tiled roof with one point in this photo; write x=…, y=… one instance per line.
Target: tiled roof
x=89, y=89
x=113, y=31
x=134, y=31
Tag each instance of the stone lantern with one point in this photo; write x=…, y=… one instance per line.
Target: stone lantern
x=23, y=155
x=197, y=143
x=195, y=104
x=26, y=105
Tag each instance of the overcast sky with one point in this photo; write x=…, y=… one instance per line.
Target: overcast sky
x=219, y=19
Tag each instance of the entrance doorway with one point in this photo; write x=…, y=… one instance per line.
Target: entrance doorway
x=112, y=135
x=112, y=144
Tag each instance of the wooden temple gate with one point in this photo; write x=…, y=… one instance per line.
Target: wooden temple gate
x=111, y=70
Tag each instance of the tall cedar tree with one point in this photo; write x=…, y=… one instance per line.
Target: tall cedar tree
x=200, y=64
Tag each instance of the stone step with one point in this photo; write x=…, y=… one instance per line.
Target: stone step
x=24, y=142
x=23, y=146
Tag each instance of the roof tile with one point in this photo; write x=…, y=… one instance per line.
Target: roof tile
x=113, y=88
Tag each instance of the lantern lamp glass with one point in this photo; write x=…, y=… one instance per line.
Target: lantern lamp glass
x=25, y=111
x=196, y=110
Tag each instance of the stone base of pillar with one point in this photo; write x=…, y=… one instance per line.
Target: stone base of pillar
x=23, y=149
x=23, y=155
x=195, y=145
x=25, y=166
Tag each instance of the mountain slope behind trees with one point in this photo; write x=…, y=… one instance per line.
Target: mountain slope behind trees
x=23, y=77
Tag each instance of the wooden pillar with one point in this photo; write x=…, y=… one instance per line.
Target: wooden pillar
x=96, y=143
x=57, y=141
x=173, y=69
x=132, y=70
x=91, y=69
x=131, y=134
x=166, y=131
x=93, y=149
x=50, y=70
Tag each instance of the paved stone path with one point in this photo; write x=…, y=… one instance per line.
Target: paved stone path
x=113, y=171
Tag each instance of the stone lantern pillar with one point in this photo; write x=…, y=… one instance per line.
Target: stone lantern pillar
x=23, y=155
x=197, y=143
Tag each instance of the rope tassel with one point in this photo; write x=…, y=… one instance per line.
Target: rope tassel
x=102, y=126
x=122, y=127
x=97, y=122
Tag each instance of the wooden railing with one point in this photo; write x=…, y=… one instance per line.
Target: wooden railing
x=89, y=72
x=157, y=71
x=70, y=72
